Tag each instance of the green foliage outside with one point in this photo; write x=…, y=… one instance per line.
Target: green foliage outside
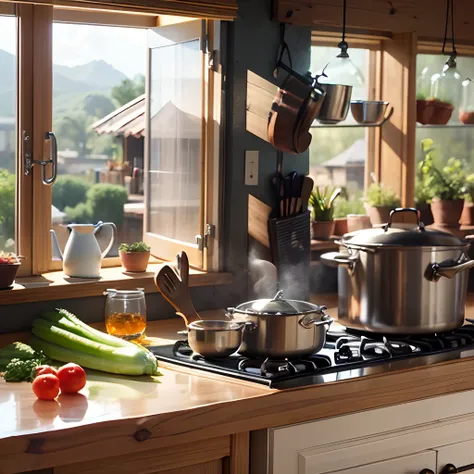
x=69, y=191
x=379, y=195
x=103, y=202
x=7, y=207
x=448, y=182
x=128, y=90
x=345, y=206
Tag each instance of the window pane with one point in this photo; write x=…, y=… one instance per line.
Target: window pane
x=8, y=91
x=338, y=155
x=98, y=118
x=175, y=148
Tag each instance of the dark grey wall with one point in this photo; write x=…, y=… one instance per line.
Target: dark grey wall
x=252, y=45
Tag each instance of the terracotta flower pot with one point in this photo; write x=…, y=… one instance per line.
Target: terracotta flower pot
x=467, y=216
x=340, y=227
x=357, y=222
x=134, y=261
x=379, y=215
x=8, y=273
x=433, y=112
x=322, y=230
x=447, y=213
x=425, y=214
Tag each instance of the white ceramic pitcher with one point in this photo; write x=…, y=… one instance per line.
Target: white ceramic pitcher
x=82, y=257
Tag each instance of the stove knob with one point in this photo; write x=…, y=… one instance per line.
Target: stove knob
x=451, y=469
x=426, y=471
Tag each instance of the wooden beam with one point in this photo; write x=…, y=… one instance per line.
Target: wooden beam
x=396, y=167
x=425, y=17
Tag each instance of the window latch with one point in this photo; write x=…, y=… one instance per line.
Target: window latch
x=203, y=241
x=29, y=162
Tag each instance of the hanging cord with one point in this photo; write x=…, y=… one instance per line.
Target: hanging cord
x=343, y=44
x=282, y=48
x=450, y=9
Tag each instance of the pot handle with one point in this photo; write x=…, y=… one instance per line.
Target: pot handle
x=246, y=325
x=336, y=259
x=437, y=270
x=398, y=210
x=310, y=322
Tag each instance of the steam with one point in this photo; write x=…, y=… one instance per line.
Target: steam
x=263, y=277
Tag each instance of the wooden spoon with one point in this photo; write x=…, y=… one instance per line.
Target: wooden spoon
x=302, y=203
x=176, y=293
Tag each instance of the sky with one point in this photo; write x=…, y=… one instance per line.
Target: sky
x=123, y=48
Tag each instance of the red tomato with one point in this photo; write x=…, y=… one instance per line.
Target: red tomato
x=71, y=378
x=45, y=369
x=46, y=387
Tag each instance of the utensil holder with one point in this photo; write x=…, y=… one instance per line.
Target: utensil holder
x=290, y=244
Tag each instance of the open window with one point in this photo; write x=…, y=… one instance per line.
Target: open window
x=85, y=77
x=175, y=146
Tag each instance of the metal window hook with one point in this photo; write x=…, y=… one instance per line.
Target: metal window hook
x=29, y=162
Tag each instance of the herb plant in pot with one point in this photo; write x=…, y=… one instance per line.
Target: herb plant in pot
x=134, y=257
x=343, y=207
x=379, y=201
x=448, y=185
x=322, y=202
x=423, y=197
x=467, y=216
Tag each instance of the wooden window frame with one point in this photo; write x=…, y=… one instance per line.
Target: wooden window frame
x=34, y=86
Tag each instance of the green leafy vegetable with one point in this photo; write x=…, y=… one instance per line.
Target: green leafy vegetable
x=16, y=350
x=23, y=370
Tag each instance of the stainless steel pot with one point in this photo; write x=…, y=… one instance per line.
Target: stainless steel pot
x=211, y=338
x=336, y=103
x=281, y=328
x=401, y=280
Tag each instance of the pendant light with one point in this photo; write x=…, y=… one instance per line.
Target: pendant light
x=446, y=86
x=341, y=70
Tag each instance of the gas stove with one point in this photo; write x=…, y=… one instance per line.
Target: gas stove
x=347, y=354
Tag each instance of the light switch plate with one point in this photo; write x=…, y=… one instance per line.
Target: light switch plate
x=251, y=168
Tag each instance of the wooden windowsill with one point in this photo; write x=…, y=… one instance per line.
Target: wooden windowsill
x=56, y=286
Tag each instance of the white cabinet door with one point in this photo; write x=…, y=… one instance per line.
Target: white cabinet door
x=413, y=464
x=460, y=455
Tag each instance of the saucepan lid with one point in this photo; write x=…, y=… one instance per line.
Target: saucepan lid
x=277, y=306
x=403, y=235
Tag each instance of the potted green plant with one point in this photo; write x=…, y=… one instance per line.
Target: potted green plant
x=379, y=201
x=448, y=186
x=467, y=216
x=134, y=257
x=344, y=207
x=322, y=202
x=423, y=197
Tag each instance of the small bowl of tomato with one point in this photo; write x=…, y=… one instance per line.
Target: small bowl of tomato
x=9, y=266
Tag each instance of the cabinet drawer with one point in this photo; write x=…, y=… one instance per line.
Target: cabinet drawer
x=459, y=455
x=412, y=464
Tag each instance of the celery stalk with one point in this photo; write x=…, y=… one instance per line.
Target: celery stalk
x=131, y=359
x=69, y=322
x=91, y=361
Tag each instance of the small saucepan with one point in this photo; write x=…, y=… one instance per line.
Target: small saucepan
x=214, y=338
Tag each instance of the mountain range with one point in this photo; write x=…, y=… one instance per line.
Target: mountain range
x=70, y=84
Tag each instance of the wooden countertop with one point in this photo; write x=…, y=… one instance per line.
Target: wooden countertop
x=189, y=405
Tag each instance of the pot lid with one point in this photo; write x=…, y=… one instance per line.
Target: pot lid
x=404, y=235
x=277, y=305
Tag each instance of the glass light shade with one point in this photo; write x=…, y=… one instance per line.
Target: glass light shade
x=446, y=86
x=341, y=70
x=423, y=83
x=466, y=111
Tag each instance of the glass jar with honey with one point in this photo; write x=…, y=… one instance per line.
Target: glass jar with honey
x=125, y=313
